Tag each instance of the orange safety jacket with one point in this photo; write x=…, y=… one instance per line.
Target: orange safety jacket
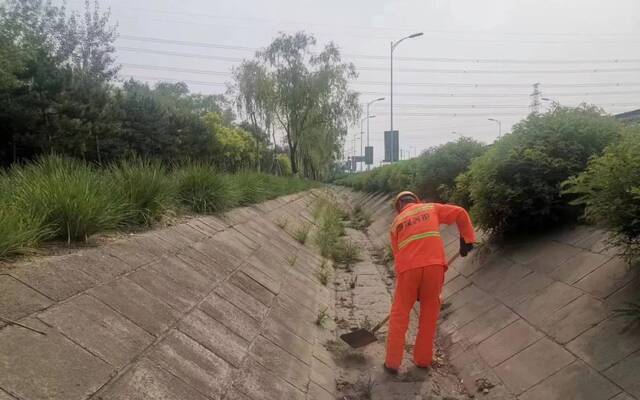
x=415, y=234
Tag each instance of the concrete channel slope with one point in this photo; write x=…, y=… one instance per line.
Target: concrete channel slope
x=225, y=308
x=536, y=319
x=215, y=308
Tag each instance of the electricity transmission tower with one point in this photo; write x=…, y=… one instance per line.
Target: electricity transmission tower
x=534, y=107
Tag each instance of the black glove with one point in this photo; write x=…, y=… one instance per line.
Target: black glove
x=465, y=248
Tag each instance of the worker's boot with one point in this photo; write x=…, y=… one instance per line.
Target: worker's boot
x=390, y=371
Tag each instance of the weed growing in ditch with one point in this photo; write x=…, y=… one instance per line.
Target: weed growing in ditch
x=353, y=282
x=324, y=272
x=282, y=222
x=301, y=233
x=322, y=317
x=292, y=260
x=360, y=219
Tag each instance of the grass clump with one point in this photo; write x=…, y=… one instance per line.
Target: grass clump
x=204, y=190
x=68, y=197
x=252, y=187
x=346, y=252
x=20, y=233
x=360, y=219
x=145, y=187
x=629, y=311
x=301, y=233
x=322, y=317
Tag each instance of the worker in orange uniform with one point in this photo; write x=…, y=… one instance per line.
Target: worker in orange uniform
x=420, y=266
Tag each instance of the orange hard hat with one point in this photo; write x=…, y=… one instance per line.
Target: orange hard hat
x=404, y=194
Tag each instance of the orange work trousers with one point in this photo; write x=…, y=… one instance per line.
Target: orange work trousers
x=422, y=284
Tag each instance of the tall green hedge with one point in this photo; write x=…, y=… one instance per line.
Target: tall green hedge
x=515, y=186
x=609, y=190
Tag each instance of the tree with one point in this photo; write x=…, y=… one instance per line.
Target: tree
x=306, y=94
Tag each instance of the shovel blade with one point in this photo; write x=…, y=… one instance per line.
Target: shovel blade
x=358, y=338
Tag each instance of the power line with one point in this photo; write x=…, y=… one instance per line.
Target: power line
x=383, y=83
x=385, y=57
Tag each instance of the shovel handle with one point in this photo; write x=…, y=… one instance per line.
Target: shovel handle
x=380, y=324
x=384, y=321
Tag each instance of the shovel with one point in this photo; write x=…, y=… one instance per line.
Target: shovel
x=362, y=337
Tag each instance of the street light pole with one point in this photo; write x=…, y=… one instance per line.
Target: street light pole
x=368, y=104
x=499, y=126
x=362, y=133
x=393, y=46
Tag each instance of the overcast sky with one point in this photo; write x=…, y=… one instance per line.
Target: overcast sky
x=476, y=60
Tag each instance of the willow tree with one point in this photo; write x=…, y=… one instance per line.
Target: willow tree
x=308, y=95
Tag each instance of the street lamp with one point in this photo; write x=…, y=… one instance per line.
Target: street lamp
x=499, y=126
x=367, y=118
x=368, y=104
x=393, y=46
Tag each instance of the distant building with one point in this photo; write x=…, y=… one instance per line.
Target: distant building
x=629, y=116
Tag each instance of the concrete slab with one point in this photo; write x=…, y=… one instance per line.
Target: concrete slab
x=464, y=296
x=623, y=396
x=579, y=266
x=576, y=381
x=184, y=275
x=318, y=393
x=215, y=337
x=98, y=264
x=625, y=374
x=489, y=323
x=606, y=344
x=252, y=288
x=131, y=252
x=469, y=312
x=48, y=367
x=239, y=298
x=454, y=286
x=146, y=381
x=18, y=300
x=257, y=274
x=138, y=305
x=203, y=265
x=299, y=321
x=54, y=278
x=607, y=279
x=555, y=296
x=507, y=342
x=525, y=288
x=500, y=275
x=99, y=329
x=533, y=364
x=164, y=288
x=239, y=322
x=280, y=362
x=576, y=317
x=5, y=396
x=550, y=255
x=289, y=341
x=192, y=363
x=323, y=375
x=258, y=383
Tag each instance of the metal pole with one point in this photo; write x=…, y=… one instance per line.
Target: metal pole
x=391, y=111
x=368, y=104
x=361, y=135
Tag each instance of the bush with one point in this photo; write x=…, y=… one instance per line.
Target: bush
x=283, y=166
x=71, y=199
x=439, y=166
x=610, y=192
x=145, y=187
x=432, y=175
x=516, y=185
x=202, y=189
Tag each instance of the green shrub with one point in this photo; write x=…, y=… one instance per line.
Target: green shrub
x=431, y=175
x=72, y=200
x=146, y=188
x=204, y=190
x=610, y=192
x=439, y=166
x=516, y=185
x=283, y=166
